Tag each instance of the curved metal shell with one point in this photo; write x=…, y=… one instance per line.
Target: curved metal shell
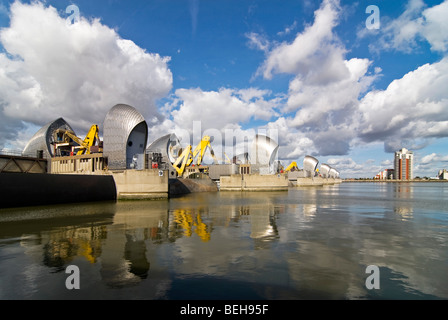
x=43, y=140
x=125, y=133
x=242, y=158
x=168, y=145
x=264, y=152
x=333, y=173
x=325, y=170
x=310, y=165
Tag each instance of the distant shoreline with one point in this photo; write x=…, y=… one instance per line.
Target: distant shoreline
x=389, y=181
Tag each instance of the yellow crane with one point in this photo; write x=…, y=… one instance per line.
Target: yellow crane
x=181, y=161
x=292, y=167
x=200, y=149
x=188, y=156
x=228, y=160
x=92, y=138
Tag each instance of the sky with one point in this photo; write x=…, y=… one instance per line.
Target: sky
x=342, y=81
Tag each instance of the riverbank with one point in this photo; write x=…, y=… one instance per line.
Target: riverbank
x=393, y=180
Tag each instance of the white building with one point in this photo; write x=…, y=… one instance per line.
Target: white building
x=386, y=174
x=403, y=164
x=443, y=174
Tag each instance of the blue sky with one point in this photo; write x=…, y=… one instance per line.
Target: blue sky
x=310, y=71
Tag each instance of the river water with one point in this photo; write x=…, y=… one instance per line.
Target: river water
x=305, y=243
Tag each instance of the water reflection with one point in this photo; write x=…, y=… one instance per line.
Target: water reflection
x=190, y=222
x=202, y=217
x=262, y=221
x=63, y=232
x=403, y=193
x=304, y=243
x=117, y=235
x=125, y=261
x=61, y=248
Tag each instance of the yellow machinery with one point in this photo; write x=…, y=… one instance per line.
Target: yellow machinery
x=86, y=146
x=181, y=162
x=228, y=160
x=187, y=156
x=92, y=138
x=292, y=167
x=200, y=150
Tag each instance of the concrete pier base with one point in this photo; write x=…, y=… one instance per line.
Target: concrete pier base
x=182, y=186
x=254, y=182
x=324, y=181
x=141, y=184
x=313, y=182
x=308, y=182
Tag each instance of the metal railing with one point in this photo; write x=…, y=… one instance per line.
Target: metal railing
x=18, y=153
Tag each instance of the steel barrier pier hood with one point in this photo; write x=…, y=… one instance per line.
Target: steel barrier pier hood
x=125, y=134
x=264, y=151
x=42, y=142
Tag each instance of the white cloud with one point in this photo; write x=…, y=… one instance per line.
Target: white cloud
x=435, y=26
x=222, y=114
x=257, y=41
x=326, y=111
x=329, y=100
x=430, y=164
x=400, y=34
x=433, y=157
x=324, y=93
x=308, y=48
x=412, y=108
x=223, y=108
x=428, y=158
x=293, y=143
x=415, y=24
x=350, y=168
x=79, y=71
x=288, y=29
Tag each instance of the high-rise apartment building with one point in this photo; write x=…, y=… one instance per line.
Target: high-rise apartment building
x=403, y=164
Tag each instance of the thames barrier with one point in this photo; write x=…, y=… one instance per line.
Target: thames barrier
x=122, y=165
